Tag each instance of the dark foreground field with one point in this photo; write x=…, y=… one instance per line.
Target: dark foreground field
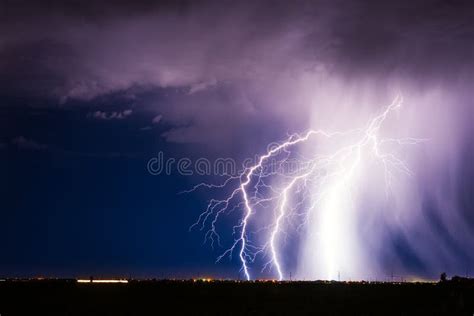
x=231, y=298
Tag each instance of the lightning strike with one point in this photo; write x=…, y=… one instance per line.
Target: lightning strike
x=331, y=174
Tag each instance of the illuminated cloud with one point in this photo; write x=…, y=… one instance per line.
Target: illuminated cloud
x=157, y=119
x=202, y=86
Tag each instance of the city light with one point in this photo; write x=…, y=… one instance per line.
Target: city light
x=101, y=281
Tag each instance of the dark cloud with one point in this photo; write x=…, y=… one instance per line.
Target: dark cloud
x=233, y=62
x=77, y=50
x=226, y=73
x=29, y=144
x=115, y=115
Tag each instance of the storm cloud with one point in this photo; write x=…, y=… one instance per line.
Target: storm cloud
x=208, y=70
x=259, y=58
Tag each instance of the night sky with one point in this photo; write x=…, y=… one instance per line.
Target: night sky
x=90, y=92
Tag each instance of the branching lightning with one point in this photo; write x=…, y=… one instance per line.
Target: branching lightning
x=291, y=194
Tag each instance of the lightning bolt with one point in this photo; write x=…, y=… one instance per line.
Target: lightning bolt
x=330, y=172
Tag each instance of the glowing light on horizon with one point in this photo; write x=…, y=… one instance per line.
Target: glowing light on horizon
x=101, y=281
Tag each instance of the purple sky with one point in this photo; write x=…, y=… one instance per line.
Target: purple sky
x=259, y=53
x=229, y=76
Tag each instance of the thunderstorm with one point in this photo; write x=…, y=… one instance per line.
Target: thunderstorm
x=296, y=188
